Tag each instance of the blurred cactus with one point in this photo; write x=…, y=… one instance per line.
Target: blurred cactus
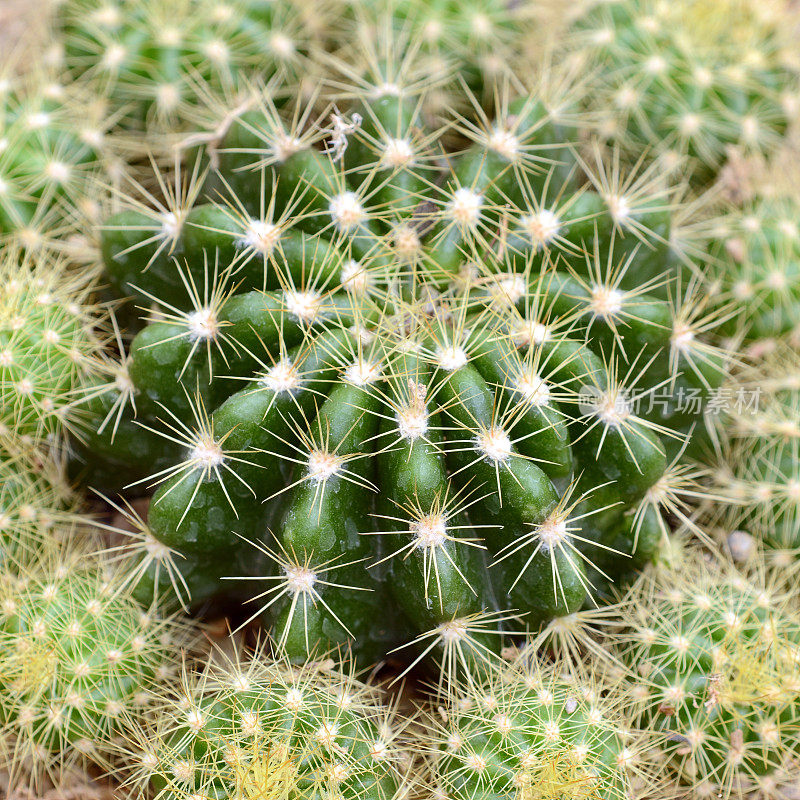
x=75, y=654
x=255, y=728
x=716, y=659
x=694, y=77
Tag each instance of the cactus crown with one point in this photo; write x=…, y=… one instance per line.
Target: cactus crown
x=333, y=295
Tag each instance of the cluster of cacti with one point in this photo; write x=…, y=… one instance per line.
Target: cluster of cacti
x=693, y=78
x=394, y=333
x=390, y=358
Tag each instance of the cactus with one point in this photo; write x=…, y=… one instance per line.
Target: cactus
x=379, y=380
x=757, y=265
x=537, y=732
x=75, y=653
x=754, y=470
x=149, y=58
x=261, y=728
x=48, y=330
x=715, y=657
x=52, y=138
x=693, y=78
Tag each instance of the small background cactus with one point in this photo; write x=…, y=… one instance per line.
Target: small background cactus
x=75, y=654
x=714, y=654
x=49, y=329
x=755, y=467
x=252, y=728
x=694, y=79
x=544, y=731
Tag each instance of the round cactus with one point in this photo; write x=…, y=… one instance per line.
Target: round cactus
x=51, y=139
x=445, y=389
x=755, y=468
x=537, y=732
x=75, y=653
x=716, y=658
x=693, y=78
x=260, y=728
x=757, y=264
x=47, y=335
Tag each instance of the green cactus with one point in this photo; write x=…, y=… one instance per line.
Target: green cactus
x=756, y=252
x=52, y=138
x=385, y=383
x=257, y=728
x=150, y=57
x=715, y=656
x=47, y=334
x=754, y=470
x=539, y=732
x=75, y=654
x=692, y=78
